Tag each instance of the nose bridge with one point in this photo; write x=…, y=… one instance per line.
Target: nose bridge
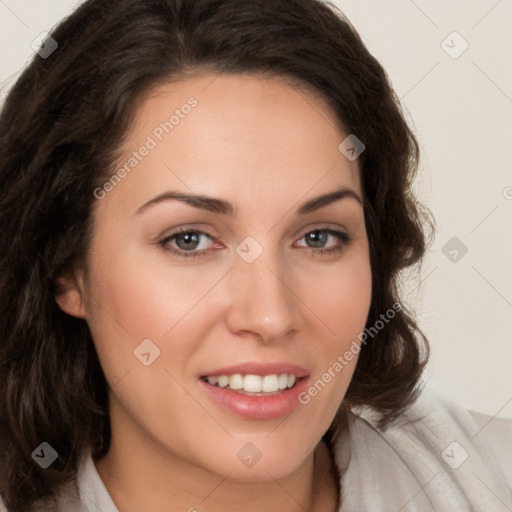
x=262, y=301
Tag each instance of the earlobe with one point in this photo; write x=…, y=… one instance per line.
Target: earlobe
x=68, y=294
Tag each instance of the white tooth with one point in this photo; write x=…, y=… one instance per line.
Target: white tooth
x=252, y=383
x=213, y=380
x=269, y=384
x=283, y=381
x=291, y=380
x=236, y=381
x=223, y=381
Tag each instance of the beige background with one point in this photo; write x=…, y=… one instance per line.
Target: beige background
x=461, y=109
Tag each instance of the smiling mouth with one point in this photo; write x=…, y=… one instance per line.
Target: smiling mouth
x=254, y=385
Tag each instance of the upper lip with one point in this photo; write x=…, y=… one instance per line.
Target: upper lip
x=257, y=368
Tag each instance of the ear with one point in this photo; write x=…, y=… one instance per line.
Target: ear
x=69, y=292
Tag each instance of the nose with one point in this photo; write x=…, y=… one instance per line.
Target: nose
x=262, y=301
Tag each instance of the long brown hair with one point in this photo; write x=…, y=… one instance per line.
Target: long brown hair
x=60, y=132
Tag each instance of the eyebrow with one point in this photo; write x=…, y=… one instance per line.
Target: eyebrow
x=220, y=206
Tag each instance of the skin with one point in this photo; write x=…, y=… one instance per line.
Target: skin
x=265, y=147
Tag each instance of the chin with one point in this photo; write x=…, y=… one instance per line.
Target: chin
x=260, y=458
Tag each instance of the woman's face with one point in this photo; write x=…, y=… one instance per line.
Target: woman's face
x=243, y=296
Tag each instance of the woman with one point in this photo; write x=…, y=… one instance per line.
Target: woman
x=206, y=210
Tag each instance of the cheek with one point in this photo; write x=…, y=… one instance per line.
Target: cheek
x=134, y=301
x=143, y=297
x=341, y=299
x=130, y=301
x=346, y=300
x=137, y=295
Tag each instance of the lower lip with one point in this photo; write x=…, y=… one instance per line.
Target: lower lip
x=256, y=407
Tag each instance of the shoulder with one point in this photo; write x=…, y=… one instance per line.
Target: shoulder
x=497, y=432
x=489, y=435
x=435, y=451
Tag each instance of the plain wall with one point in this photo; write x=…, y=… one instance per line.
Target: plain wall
x=460, y=107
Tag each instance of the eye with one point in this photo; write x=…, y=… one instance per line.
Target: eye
x=187, y=242
x=319, y=237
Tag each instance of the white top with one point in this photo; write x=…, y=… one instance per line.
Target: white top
x=438, y=457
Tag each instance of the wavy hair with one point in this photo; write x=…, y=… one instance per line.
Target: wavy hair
x=61, y=129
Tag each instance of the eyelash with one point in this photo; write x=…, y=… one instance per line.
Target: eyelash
x=344, y=239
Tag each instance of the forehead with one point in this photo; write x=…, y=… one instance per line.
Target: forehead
x=247, y=136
